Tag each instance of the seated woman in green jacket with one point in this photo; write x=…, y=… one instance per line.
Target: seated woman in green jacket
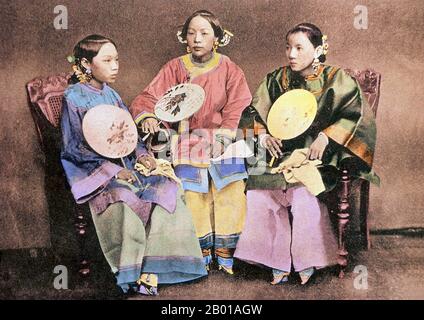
x=287, y=225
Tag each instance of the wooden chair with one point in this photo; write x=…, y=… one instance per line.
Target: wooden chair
x=369, y=80
x=45, y=99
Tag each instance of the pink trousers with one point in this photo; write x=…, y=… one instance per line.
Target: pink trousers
x=269, y=239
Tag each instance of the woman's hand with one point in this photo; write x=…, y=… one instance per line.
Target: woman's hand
x=217, y=149
x=317, y=148
x=273, y=145
x=148, y=161
x=150, y=125
x=126, y=175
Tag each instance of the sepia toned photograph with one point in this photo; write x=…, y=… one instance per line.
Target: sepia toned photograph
x=212, y=150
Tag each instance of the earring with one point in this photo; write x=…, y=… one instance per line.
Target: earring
x=215, y=45
x=88, y=74
x=188, y=49
x=315, y=64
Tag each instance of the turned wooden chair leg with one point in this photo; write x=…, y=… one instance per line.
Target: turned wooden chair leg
x=343, y=215
x=81, y=229
x=363, y=215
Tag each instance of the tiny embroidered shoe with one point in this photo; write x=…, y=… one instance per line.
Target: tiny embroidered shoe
x=226, y=270
x=148, y=284
x=147, y=290
x=279, y=277
x=305, y=275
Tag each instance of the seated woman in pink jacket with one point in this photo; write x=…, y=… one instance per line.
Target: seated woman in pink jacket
x=214, y=191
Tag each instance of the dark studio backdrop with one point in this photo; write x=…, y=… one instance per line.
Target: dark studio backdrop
x=145, y=32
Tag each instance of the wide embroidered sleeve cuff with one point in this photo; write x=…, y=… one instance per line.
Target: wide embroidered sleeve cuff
x=83, y=190
x=143, y=116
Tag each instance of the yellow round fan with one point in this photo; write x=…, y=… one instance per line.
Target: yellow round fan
x=292, y=114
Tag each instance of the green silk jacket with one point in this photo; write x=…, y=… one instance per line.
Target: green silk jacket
x=343, y=115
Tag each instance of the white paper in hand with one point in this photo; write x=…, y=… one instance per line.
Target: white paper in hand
x=238, y=149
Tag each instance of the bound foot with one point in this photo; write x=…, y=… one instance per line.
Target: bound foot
x=279, y=277
x=148, y=284
x=306, y=275
x=227, y=270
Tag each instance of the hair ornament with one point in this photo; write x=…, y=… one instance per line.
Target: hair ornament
x=324, y=44
x=71, y=59
x=226, y=38
x=180, y=38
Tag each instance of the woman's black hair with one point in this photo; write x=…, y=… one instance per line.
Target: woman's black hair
x=88, y=48
x=210, y=17
x=313, y=33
